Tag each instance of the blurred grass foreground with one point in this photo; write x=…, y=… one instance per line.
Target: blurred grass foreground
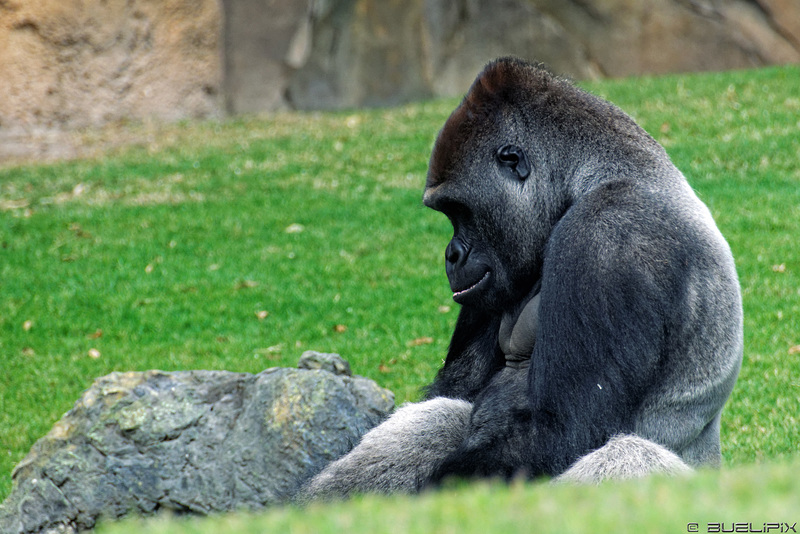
x=238, y=245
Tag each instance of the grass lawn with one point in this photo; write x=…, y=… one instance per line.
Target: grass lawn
x=238, y=245
x=751, y=495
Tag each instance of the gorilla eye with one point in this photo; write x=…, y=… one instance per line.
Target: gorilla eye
x=514, y=157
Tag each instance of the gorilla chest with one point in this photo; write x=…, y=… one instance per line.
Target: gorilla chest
x=518, y=329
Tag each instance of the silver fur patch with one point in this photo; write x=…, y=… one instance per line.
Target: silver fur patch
x=624, y=457
x=399, y=455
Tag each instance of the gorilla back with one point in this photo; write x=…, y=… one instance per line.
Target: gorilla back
x=598, y=297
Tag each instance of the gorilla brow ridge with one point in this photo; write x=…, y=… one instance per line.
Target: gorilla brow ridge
x=546, y=101
x=497, y=84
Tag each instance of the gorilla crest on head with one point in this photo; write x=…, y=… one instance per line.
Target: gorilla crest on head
x=600, y=330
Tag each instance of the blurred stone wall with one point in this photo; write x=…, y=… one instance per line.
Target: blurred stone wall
x=350, y=53
x=74, y=63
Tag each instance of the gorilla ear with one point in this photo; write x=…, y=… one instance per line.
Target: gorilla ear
x=514, y=157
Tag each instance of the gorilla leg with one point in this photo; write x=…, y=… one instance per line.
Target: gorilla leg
x=399, y=455
x=624, y=457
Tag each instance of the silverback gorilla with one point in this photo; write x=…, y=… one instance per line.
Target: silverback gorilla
x=600, y=331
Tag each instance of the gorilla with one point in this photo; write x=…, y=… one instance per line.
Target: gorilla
x=600, y=331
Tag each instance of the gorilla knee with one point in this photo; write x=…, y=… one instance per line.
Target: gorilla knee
x=624, y=457
x=398, y=455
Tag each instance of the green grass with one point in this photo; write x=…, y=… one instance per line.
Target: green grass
x=756, y=495
x=162, y=253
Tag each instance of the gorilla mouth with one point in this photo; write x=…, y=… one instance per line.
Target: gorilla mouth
x=462, y=293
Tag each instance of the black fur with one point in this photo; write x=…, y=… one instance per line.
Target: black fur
x=473, y=358
x=601, y=314
x=633, y=276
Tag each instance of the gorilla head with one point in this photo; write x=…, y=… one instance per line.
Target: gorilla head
x=507, y=165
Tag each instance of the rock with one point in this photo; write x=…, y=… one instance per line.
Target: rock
x=68, y=64
x=333, y=363
x=351, y=53
x=629, y=37
x=257, y=49
x=463, y=36
x=361, y=53
x=191, y=441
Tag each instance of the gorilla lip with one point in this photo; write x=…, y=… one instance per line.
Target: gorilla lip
x=463, y=292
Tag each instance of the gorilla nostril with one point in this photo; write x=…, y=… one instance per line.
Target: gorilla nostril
x=451, y=254
x=455, y=251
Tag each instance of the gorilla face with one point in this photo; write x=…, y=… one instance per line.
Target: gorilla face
x=499, y=201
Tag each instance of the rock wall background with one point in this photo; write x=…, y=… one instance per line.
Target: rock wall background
x=73, y=63
x=67, y=64
x=366, y=52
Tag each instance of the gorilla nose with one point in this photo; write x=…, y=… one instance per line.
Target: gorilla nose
x=455, y=252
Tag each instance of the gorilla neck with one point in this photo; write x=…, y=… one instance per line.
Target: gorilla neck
x=518, y=330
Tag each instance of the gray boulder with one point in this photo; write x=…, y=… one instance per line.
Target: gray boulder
x=191, y=441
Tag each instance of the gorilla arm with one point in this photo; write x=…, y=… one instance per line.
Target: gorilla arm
x=399, y=455
x=473, y=357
